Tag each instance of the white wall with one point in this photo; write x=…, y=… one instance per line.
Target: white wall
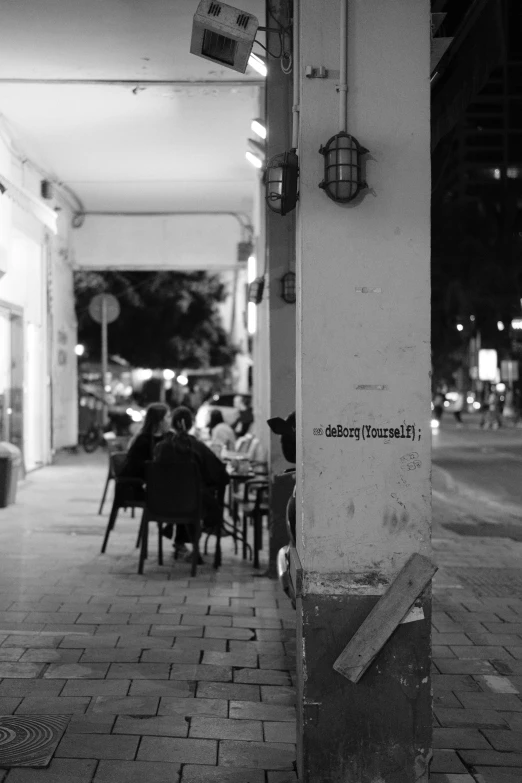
x=186, y=242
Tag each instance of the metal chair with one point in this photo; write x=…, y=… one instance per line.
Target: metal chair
x=254, y=506
x=116, y=445
x=173, y=496
x=128, y=493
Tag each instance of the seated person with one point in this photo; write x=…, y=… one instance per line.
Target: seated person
x=251, y=446
x=179, y=446
x=245, y=416
x=221, y=434
x=141, y=447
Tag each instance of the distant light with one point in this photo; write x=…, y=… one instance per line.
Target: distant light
x=253, y=159
x=460, y=328
x=251, y=269
x=79, y=350
x=488, y=365
x=169, y=375
x=258, y=128
x=476, y=405
x=108, y=388
x=472, y=318
x=496, y=173
x=183, y=380
x=501, y=387
x=134, y=414
x=251, y=318
x=258, y=64
x=516, y=323
x=469, y=400
x=435, y=424
x=446, y=403
x=500, y=326
x=143, y=375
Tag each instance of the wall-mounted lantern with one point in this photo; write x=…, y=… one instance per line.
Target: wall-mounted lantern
x=281, y=182
x=288, y=289
x=343, y=179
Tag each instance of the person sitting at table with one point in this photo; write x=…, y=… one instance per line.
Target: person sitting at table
x=141, y=447
x=179, y=446
x=221, y=433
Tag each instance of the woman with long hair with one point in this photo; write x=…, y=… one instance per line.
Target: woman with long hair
x=141, y=448
x=221, y=433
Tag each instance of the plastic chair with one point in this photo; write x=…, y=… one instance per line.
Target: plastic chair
x=173, y=496
x=128, y=493
x=116, y=445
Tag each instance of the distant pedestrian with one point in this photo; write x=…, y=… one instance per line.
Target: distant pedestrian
x=438, y=405
x=458, y=407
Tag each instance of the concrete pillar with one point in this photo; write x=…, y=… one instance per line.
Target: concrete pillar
x=280, y=254
x=363, y=364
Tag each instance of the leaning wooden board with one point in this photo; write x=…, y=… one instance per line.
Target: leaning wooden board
x=384, y=618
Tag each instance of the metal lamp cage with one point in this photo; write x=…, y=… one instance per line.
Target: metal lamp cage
x=288, y=288
x=342, y=168
x=281, y=182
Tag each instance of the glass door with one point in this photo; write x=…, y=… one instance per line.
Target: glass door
x=5, y=374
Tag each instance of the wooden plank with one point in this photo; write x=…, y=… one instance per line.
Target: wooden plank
x=384, y=618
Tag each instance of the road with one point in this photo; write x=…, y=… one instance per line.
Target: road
x=477, y=479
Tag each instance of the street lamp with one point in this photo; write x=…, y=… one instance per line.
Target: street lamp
x=79, y=349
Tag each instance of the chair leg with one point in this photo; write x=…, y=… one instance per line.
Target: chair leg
x=160, y=543
x=217, y=555
x=205, y=550
x=256, y=517
x=195, y=549
x=110, y=525
x=138, y=540
x=100, y=510
x=245, y=536
x=132, y=512
x=144, y=540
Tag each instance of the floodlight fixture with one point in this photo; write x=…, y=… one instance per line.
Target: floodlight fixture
x=223, y=34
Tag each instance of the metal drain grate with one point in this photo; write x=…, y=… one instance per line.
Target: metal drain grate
x=30, y=740
x=492, y=582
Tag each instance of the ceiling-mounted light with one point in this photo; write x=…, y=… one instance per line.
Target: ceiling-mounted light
x=259, y=128
x=258, y=64
x=253, y=159
x=251, y=269
x=281, y=182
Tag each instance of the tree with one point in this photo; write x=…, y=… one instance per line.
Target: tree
x=167, y=319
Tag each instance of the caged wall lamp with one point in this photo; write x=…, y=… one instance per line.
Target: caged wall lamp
x=343, y=180
x=288, y=288
x=280, y=179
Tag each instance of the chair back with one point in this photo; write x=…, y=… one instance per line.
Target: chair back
x=174, y=490
x=116, y=462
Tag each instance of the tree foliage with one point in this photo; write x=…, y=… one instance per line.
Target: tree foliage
x=167, y=319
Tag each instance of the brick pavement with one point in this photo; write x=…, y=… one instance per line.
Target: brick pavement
x=172, y=679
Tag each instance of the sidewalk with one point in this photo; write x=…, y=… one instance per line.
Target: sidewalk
x=168, y=679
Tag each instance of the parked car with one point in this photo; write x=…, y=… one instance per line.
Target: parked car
x=222, y=402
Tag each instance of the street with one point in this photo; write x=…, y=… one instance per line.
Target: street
x=477, y=479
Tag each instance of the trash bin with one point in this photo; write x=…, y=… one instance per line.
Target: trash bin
x=10, y=465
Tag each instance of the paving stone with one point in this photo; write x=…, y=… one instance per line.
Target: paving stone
x=228, y=690
x=171, y=726
x=516, y=652
x=126, y=705
x=502, y=639
x=449, y=638
x=256, y=622
x=223, y=728
x=504, y=740
x=459, y=738
x=142, y=618
x=491, y=701
x=172, y=655
x=447, y=700
x=480, y=652
x=19, y=670
x=273, y=635
x=91, y=724
x=228, y=633
x=71, y=671
x=260, y=648
x=261, y=677
x=11, y=653
x=52, y=705
x=454, y=682
x=139, y=671
x=450, y=666
x=439, y=651
x=111, y=655
x=191, y=707
x=96, y=688
x=491, y=758
x=283, y=663
x=97, y=746
x=234, y=658
x=102, y=618
x=178, y=688
x=24, y=640
x=448, y=761
x=282, y=777
x=263, y=755
x=43, y=655
x=247, y=710
x=145, y=642
x=278, y=694
x=451, y=778
x=9, y=705
x=136, y=772
x=197, y=774
x=51, y=618
x=176, y=630
x=189, y=643
x=184, y=751
x=58, y=771
x=31, y=687
x=469, y=717
x=496, y=775
x=87, y=642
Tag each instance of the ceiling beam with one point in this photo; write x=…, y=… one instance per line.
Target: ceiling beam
x=140, y=82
